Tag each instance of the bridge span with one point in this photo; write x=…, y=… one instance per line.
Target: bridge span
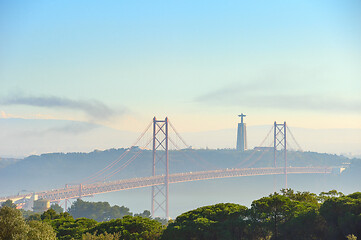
x=84, y=190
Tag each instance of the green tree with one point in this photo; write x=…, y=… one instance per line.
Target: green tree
x=272, y=211
x=304, y=220
x=12, y=224
x=105, y=236
x=32, y=217
x=65, y=226
x=57, y=208
x=323, y=196
x=145, y=213
x=306, y=225
x=300, y=196
x=343, y=215
x=74, y=228
x=130, y=227
x=40, y=231
x=220, y=221
x=289, y=215
x=99, y=211
x=49, y=214
x=8, y=203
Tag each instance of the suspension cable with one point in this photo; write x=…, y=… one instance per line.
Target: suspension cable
x=254, y=150
x=112, y=164
x=269, y=132
x=187, y=156
x=188, y=147
x=259, y=158
x=128, y=162
x=294, y=139
x=179, y=136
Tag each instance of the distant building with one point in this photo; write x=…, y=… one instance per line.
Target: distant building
x=41, y=205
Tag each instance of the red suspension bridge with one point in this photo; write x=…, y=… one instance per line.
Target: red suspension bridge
x=99, y=183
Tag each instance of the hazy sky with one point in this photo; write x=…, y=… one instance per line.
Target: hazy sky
x=201, y=63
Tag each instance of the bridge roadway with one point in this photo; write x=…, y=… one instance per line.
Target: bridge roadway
x=83, y=190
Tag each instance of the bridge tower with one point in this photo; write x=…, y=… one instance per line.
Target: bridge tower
x=241, y=135
x=160, y=201
x=280, y=143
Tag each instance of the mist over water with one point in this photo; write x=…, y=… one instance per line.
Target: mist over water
x=242, y=190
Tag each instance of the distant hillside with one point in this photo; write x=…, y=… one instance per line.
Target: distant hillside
x=24, y=137
x=53, y=170
x=7, y=161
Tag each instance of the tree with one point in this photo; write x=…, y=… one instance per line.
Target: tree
x=343, y=215
x=292, y=215
x=57, y=208
x=306, y=225
x=99, y=211
x=323, y=196
x=8, y=203
x=30, y=215
x=40, y=231
x=272, y=211
x=146, y=214
x=12, y=224
x=300, y=196
x=105, y=236
x=220, y=221
x=33, y=217
x=65, y=226
x=49, y=214
x=130, y=227
x=68, y=228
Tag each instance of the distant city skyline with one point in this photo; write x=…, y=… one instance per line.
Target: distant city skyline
x=118, y=64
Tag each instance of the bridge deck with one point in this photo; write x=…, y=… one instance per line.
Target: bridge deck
x=118, y=185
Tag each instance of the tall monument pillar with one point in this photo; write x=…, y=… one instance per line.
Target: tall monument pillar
x=241, y=135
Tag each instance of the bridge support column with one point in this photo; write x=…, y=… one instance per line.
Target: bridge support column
x=280, y=138
x=80, y=190
x=160, y=200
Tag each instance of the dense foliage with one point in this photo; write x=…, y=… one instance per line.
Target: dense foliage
x=13, y=227
x=66, y=227
x=285, y=215
x=99, y=211
x=131, y=228
x=220, y=221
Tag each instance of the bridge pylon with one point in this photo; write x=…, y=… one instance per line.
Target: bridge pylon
x=160, y=193
x=280, y=143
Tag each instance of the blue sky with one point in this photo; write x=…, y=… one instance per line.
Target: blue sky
x=119, y=63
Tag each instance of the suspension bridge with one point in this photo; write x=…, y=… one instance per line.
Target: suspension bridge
x=99, y=182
